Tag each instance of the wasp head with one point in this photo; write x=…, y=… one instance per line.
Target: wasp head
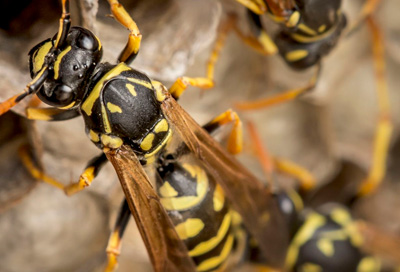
x=70, y=66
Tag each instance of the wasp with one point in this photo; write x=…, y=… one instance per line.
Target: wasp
x=324, y=236
x=133, y=119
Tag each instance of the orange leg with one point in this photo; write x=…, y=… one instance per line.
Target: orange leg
x=384, y=127
x=281, y=98
x=235, y=140
x=133, y=45
x=269, y=163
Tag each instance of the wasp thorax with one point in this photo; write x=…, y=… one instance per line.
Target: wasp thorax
x=70, y=66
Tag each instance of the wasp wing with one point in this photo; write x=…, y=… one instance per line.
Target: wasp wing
x=166, y=250
x=246, y=193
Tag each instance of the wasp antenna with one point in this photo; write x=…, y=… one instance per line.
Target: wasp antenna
x=31, y=88
x=65, y=24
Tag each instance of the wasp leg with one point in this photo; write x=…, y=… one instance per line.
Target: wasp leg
x=91, y=171
x=51, y=114
x=182, y=83
x=281, y=98
x=235, y=140
x=132, y=47
x=270, y=163
x=257, y=6
x=114, y=242
x=86, y=178
x=384, y=127
x=368, y=8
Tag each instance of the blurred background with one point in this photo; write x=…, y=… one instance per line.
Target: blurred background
x=328, y=131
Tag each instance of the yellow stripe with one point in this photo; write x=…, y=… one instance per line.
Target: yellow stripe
x=369, y=264
x=87, y=106
x=187, y=202
x=161, y=126
x=147, y=142
x=106, y=122
x=313, y=222
x=206, y=246
x=113, y=108
x=310, y=267
x=167, y=190
x=190, y=228
x=93, y=136
x=58, y=60
x=215, y=261
x=326, y=247
x=341, y=216
x=307, y=29
x=68, y=106
x=150, y=157
x=40, y=56
x=141, y=82
x=218, y=198
x=294, y=19
x=321, y=28
x=296, y=55
x=304, y=39
x=110, y=141
x=131, y=89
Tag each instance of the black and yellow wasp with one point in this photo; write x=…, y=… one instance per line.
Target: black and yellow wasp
x=324, y=235
x=133, y=119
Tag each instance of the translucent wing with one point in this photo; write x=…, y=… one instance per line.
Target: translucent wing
x=248, y=196
x=167, y=252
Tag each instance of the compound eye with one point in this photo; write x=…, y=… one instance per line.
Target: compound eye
x=86, y=40
x=63, y=95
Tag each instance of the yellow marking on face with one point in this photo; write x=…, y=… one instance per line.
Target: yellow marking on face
x=38, y=114
x=40, y=56
x=326, y=247
x=161, y=126
x=131, y=89
x=187, y=202
x=190, y=228
x=293, y=19
x=141, y=82
x=147, y=142
x=151, y=157
x=296, y=55
x=113, y=108
x=217, y=260
x=321, y=28
x=310, y=267
x=166, y=190
x=276, y=19
x=58, y=61
x=106, y=122
x=313, y=222
x=68, y=106
x=218, y=198
x=87, y=105
x=307, y=30
x=341, y=216
x=267, y=43
x=296, y=199
x=111, y=141
x=369, y=264
x=206, y=246
x=93, y=136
